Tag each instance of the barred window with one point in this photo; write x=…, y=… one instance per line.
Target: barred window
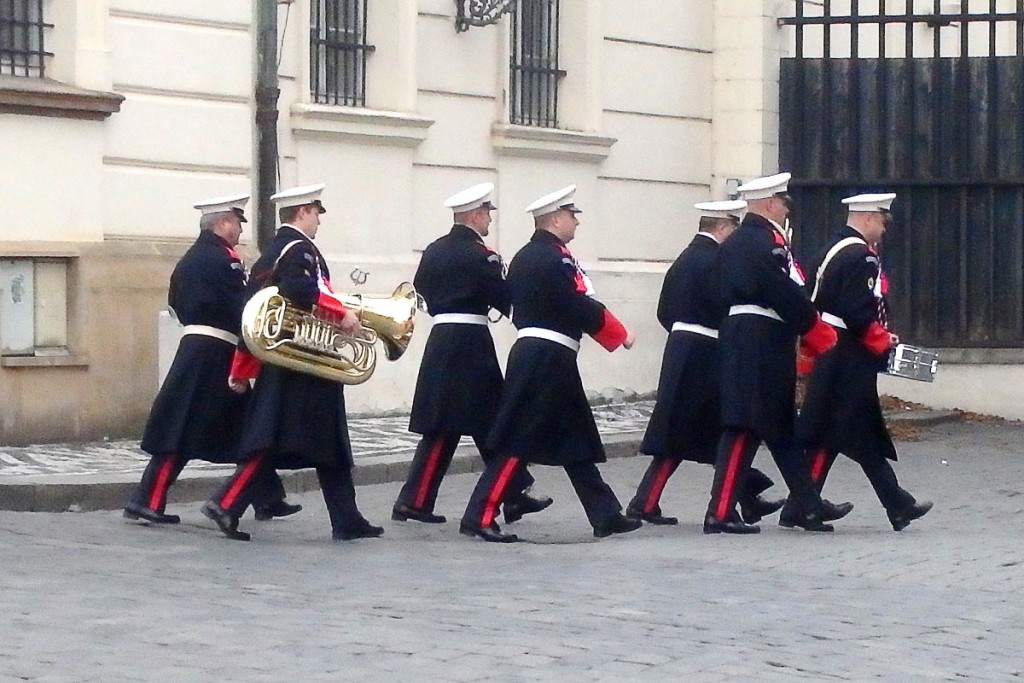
x=338, y=49
x=534, y=72
x=22, y=30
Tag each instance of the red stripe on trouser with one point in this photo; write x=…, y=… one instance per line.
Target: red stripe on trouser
x=156, y=495
x=733, y=464
x=241, y=479
x=495, y=494
x=428, y=473
x=818, y=466
x=660, y=479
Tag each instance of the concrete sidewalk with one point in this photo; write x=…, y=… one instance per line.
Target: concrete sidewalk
x=100, y=476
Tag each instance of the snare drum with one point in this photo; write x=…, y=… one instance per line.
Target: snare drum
x=911, y=362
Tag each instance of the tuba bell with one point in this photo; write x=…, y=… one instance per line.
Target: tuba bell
x=279, y=333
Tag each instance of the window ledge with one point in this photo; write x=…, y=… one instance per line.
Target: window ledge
x=46, y=97
x=550, y=143
x=44, y=361
x=362, y=125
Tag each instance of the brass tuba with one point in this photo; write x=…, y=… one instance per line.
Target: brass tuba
x=279, y=333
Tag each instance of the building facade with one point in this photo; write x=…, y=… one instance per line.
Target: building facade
x=117, y=115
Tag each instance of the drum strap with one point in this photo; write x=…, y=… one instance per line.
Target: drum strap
x=836, y=248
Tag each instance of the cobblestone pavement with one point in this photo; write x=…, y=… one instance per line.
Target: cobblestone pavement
x=88, y=597
x=370, y=436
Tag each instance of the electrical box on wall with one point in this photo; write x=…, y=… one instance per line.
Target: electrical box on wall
x=17, y=307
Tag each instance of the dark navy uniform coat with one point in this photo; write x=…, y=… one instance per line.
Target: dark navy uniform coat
x=841, y=411
x=195, y=414
x=544, y=416
x=459, y=383
x=297, y=418
x=685, y=421
x=759, y=353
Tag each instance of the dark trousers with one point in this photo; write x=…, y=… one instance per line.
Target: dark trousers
x=163, y=470
x=598, y=499
x=647, y=499
x=430, y=463
x=732, y=468
x=339, y=492
x=879, y=473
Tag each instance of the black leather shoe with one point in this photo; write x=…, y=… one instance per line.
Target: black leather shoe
x=652, y=517
x=136, y=511
x=491, y=534
x=403, y=513
x=754, y=510
x=524, y=505
x=362, y=530
x=901, y=520
x=227, y=524
x=278, y=508
x=617, y=524
x=830, y=512
x=792, y=517
x=733, y=525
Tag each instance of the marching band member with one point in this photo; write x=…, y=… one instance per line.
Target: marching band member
x=195, y=415
x=544, y=416
x=685, y=422
x=294, y=420
x=459, y=382
x=841, y=412
x=767, y=311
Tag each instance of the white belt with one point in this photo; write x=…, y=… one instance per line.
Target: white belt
x=208, y=331
x=751, y=309
x=550, y=335
x=833, y=320
x=695, y=328
x=460, y=318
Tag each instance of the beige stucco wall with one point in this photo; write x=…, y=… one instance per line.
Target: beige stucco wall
x=634, y=137
x=659, y=108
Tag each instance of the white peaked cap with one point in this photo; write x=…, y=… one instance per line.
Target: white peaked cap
x=549, y=203
x=870, y=202
x=235, y=203
x=300, y=196
x=471, y=198
x=762, y=188
x=731, y=208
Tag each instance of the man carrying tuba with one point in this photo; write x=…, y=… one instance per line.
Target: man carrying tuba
x=295, y=420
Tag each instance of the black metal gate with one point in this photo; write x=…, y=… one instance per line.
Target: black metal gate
x=944, y=131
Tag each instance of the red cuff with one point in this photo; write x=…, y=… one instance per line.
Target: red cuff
x=244, y=365
x=820, y=338
x=876, y=339
x=612, y=333
x=330, y=304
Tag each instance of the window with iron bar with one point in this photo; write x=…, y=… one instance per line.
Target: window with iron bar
x=22, y=33
x=338, y=50
x=534, y=74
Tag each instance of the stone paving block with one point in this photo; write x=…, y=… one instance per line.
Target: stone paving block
x=80, y=592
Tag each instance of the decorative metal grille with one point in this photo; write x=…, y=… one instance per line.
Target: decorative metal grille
x=338, y=49
x=479, y=12
x=534, y=72
x=22, y=32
